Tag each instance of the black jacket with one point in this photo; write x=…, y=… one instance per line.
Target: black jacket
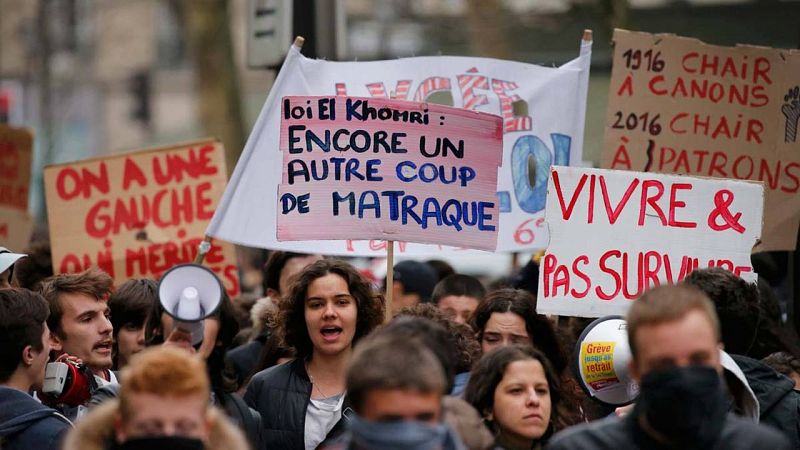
x=615, y=433
x=778, y=402
x=242, y=359
x=281, y=394
x=26, y=424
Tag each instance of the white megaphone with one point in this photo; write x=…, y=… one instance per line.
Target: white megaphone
x=601, y=367
x=190, y=293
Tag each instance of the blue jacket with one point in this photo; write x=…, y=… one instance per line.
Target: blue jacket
x=26, y=424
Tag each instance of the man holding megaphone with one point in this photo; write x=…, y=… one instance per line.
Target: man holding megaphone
x=80, y=338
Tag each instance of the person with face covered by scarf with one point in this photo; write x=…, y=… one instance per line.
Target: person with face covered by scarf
x=395, y=387
x=674, y=336
x=163, y=405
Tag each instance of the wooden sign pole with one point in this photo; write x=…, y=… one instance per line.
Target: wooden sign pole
x=389, y=278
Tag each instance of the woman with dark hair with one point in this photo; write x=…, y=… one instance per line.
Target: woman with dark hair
x=519, y=395
x=329, y=307
x=507, y=317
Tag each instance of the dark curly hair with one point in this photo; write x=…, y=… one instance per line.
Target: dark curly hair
x=468, y=350
x=522, y=303
x=291, y=309
x=489, y=372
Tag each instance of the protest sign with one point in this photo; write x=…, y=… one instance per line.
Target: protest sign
x=678, y=105
x=615, y=234
x=138, y=214
x=16, y=152
x=543, y=111
x=16, y=228
x=16, y=149
x=359, y=168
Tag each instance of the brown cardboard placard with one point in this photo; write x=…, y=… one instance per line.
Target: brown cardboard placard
x=678, y=105
x=16, y=228
x=139, y=214
x=16, y=154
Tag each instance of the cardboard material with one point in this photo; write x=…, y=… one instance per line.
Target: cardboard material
x=364, y=168
x=678, y=105
x=16, y=153
x=543, y=110
x=16, y=228
x=615, y=234
x=139, y=214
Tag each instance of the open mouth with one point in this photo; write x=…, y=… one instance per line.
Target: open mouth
x=331, y=333
x=104, y=346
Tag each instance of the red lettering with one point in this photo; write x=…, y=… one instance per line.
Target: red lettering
x=761, y=70
x=652, y=85
x=566, y=211
x=627, y=85
x=613, y=215
x=132, y=172
x=604, y=268
x=676, y=204
x=651, y=200
x=795, y=177
x=577, y=271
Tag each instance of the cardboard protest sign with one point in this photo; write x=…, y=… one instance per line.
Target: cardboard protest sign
x=363, y=168
x=139, y=214
x=16, y=150
x=677, y=105
x=615, y=234
x=543, y=110
x=16, y=228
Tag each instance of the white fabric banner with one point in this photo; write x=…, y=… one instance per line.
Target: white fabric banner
x=543, y=111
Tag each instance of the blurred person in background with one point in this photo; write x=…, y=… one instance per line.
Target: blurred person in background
x=785, y=364
x=519, y=395
x=674, y=337
x=413, y=284
x=7, y=261
x=163, y=405
x=38, y=266
x=129, y=305
x=327, y=310
x=396, y=387
x=443, y=268
x=24, y=352
x=458, y=296
x=425, y=325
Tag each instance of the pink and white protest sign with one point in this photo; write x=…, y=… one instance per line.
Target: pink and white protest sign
x=615, y=234
x=367, y=168
x=543, y=110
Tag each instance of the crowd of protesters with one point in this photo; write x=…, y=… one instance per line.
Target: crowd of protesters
x=320, y=361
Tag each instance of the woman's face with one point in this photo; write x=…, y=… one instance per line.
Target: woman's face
x=503, y=329
x=522, y=404
x=330, y=313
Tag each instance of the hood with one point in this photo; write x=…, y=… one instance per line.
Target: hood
x=20, y=411
x=769, y=385
x=95, y=431
x=746, y=399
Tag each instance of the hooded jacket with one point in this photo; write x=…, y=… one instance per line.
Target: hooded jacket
x=95, y=431
x=778, y=401
x=27, y=424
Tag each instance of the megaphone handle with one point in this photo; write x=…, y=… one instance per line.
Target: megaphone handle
x=203, y=248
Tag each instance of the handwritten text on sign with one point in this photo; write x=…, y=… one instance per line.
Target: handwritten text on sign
x=139, y=214
x=677, y=105
x=615, y=234
x=361, y=168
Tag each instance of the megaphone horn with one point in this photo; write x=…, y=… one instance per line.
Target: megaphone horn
x=601, y=364
x=190, y=293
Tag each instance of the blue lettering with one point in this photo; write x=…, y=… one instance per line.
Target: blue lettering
x=372, y=170
x=363, y=205
x=410, y=202
x=401, y=176
x=293, y=139
x=337, y=198
x=394, y=209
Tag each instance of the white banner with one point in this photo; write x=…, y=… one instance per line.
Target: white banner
x=543, y=111
x=616, y=234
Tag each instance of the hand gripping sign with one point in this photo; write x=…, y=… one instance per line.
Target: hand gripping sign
x=615, y=234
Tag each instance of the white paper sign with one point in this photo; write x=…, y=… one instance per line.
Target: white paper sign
x=615, y=234
x=543, y=112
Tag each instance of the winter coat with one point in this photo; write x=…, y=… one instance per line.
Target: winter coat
x=281, y=394
x=624, y=433
x=95, y=431
x=27, y=424
x=465, y=421
x=778, y=401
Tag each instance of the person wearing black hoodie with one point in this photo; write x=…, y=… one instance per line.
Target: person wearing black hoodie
x=24, y=350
